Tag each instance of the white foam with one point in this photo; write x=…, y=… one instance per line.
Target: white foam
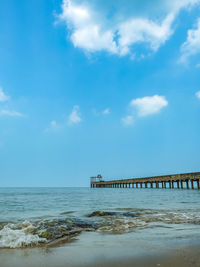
x=10, y=237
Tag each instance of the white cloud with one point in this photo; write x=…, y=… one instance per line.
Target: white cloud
x=142, y=30
x=92, y=30
x=85, y=32
x=10, y=113
x=149, y=105
x=177, y=5
x=192, y=45
x=198, y=94
x=7, y=112
x=128, y=120
x=106, y=111
x=75, y=116
x=141, y=107
x=3, y=96
x=53, y=126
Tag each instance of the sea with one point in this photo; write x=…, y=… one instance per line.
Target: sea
x=141, y=218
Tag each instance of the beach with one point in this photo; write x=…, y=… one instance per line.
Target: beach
x=84, y=254
x=99, y=227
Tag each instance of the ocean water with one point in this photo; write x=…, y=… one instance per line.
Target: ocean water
x=31, y=217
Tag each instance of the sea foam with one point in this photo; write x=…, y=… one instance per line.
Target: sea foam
x=10, y=237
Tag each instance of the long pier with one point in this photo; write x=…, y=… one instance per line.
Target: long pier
x=180, y=181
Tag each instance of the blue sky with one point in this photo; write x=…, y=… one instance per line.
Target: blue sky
x=90, y=87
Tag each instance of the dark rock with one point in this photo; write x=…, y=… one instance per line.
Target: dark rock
x=101, y=214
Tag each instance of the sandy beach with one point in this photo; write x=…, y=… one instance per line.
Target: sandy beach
x=95, y=250
x=184, y=257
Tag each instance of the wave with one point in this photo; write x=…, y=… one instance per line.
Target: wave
x=49, y=232
x=11, y=236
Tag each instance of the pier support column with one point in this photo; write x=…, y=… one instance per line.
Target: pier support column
x=151, y=184
x=198, y=184
x=181, y=184
x=164, y=184
x=129, y=185
x=140, y=185
x=132, y=185
x=187, y=184
x=136, y=185
x=170, y=185
x=157, y=185
x=192, y=183
x=146, y=185
x=178, y=186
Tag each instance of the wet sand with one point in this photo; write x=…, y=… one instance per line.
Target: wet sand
x=98, y=250
x=176, y=258
x=187, y=257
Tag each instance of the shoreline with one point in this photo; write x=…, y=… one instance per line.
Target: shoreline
x=182, y=257
x=95, y=251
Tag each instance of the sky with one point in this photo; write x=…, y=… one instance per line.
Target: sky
x=88, y=87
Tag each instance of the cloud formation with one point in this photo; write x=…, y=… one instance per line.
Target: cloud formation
x=10, y=113
x=106, y=111
x=52, y=127
x=93, y=31
x=198, y=94
x=192, y=45
x=142, y=107
x=7, y=112
x=149, y=105
x=75, y=116
x=140, y=30
x=3, y=96
x=85, y=32
x=128, y=120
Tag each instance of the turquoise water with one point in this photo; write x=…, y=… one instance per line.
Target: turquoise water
x=26, y=213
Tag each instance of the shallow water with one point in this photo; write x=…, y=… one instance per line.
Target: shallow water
x=32, y=216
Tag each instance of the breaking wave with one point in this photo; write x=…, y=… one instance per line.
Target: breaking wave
x=53, y=231
x=14, y=236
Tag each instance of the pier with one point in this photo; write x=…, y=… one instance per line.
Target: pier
x=179, y=181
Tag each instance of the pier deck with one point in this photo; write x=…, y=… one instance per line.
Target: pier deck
x=183, y=180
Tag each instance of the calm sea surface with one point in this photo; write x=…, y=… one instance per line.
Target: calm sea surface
x=32, y=216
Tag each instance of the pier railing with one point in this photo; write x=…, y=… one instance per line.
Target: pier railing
x=183, y=180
